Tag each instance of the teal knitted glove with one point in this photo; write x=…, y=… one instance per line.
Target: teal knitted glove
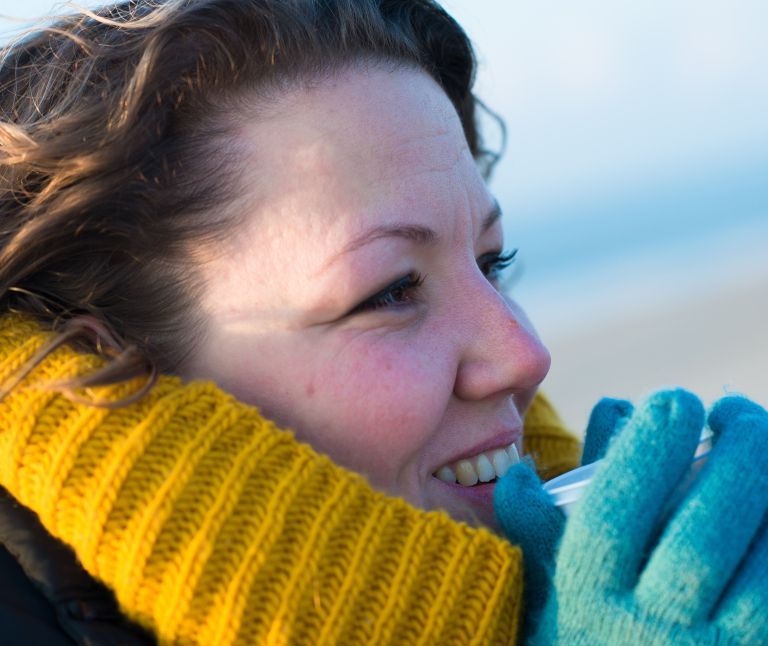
x=628, y=572
x=529, y=518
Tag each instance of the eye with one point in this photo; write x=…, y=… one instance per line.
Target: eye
x=494, y=263
x=402, y=292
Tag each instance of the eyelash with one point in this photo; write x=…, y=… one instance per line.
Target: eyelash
x=399, y=293
x=404, y=290
x=493, y=264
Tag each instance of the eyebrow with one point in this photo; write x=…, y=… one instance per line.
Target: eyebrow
x=490, y=219
x=414, y=232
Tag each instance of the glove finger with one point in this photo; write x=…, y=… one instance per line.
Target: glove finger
x=728, y=408
x=713, y=527
x=530, y=519
x=606, y=537
x=606, y=418
x=742, y=614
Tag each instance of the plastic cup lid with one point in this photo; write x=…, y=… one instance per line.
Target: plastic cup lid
x=567, y=488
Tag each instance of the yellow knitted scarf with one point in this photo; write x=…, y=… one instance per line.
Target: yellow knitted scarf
x=213, y=526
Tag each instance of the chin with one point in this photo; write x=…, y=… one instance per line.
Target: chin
x=470, y=505
x=478, y=519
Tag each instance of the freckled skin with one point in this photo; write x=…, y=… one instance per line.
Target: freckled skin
x=394, y=392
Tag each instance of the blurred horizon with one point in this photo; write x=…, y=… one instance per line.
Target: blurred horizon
x=635, y=183
x=636, y=186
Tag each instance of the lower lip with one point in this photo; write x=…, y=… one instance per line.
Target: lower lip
x=479, y=496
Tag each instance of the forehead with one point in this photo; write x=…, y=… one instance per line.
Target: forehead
x=367, y=145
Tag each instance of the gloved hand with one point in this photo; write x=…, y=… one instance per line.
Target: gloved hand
x=529, y=518
x=624, y=574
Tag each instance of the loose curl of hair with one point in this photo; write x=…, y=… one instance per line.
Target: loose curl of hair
x=116, y=158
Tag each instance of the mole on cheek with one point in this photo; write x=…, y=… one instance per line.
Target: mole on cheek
x=310, y=389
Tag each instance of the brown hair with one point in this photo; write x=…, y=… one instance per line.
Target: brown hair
x=113, y=133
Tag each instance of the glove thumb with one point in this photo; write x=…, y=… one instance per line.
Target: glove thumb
x=530, y=519
x=607, y=417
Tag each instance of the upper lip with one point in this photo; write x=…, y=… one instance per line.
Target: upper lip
x=500, y=440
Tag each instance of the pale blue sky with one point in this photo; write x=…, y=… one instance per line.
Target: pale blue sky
x=602, y=95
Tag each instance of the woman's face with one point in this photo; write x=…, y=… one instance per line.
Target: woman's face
x=357, y=303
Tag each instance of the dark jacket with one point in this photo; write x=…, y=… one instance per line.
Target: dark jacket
x=46, y=597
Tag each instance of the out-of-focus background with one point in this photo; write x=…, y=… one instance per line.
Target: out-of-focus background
x=635, y=184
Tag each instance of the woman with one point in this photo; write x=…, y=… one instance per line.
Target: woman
x=287, y=199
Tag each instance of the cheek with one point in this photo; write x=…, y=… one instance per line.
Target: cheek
x=380, y=405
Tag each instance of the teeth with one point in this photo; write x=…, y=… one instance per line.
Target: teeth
x=465, y=473
x=484, y=467
x=485, y=470
x=446, y=474
x=501, y=462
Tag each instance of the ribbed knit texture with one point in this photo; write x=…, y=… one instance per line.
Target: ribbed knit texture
x=553, y=449
x=213, y=526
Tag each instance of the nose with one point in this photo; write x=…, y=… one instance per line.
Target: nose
x=501, y=352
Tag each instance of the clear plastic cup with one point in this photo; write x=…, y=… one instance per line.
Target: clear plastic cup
x=566, y=490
